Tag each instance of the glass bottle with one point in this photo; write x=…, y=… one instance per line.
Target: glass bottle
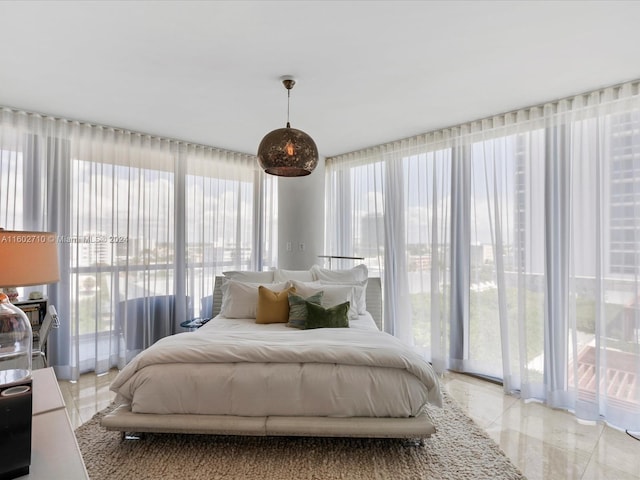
x=16, y=345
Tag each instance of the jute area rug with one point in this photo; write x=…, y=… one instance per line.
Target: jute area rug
x=459, y=450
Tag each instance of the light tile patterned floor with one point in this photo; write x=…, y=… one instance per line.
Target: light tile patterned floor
x=544, y=443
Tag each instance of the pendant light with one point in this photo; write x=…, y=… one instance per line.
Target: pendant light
x=288, y=152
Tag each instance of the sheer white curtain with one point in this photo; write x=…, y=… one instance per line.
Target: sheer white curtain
x=527, y=227
x=144, y=225
x=391, y=205
x=230, y=219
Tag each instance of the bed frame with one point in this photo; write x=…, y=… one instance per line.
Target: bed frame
x=416, y=428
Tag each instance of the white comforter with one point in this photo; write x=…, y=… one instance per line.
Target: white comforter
x=236, y=367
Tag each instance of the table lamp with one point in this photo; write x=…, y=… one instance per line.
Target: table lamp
x=26, y=258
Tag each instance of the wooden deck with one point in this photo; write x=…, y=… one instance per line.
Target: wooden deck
x=619, y=382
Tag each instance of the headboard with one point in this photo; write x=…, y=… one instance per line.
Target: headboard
x=217, y=295
x=373, y=299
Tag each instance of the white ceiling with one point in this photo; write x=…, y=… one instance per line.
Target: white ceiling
x=367, y=72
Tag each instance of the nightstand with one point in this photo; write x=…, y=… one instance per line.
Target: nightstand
x=194, y=323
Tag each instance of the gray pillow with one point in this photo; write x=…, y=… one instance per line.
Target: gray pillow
x=298, y=308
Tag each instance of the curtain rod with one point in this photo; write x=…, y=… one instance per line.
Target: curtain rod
x=632, y=83
x=120, y=129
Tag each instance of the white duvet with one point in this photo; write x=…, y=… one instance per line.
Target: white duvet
x=237, y=367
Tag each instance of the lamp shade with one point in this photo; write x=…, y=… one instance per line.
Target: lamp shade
x=28, y=258
x=288, y=152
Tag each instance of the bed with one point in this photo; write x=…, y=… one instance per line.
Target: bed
x=235, y=376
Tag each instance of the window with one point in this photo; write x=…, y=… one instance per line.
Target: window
x=144, y=225
x=536, y=280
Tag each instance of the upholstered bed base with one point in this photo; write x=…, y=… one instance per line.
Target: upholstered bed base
x=122, y=419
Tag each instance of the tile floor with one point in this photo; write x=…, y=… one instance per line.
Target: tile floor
x=544, y=443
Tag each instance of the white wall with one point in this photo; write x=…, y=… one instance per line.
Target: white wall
x=301, y=219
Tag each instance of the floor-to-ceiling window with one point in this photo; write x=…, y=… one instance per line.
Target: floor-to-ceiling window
x=144, y=224
x=518, y=240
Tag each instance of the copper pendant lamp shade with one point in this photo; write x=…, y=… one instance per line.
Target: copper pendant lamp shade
x=288, y=152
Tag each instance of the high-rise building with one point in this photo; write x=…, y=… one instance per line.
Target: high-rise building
x=624, y=194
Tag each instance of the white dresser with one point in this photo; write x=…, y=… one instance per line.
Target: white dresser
x=54, y=449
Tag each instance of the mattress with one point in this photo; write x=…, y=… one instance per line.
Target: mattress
x=240, y=368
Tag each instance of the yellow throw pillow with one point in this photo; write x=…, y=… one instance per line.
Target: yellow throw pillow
x=273, y=307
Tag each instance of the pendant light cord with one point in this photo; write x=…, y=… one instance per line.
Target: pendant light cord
x=288, y=98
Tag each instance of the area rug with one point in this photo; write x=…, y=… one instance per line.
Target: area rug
x=459, y=450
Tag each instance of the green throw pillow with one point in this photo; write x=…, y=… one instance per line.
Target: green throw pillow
x=298, y=308
x=332, y=317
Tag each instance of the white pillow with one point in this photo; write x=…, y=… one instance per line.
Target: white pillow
x=240, y=299
x=359, y=273
x=281, y=275
x=333, y=294
x=359, y=293
x=250, y=277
